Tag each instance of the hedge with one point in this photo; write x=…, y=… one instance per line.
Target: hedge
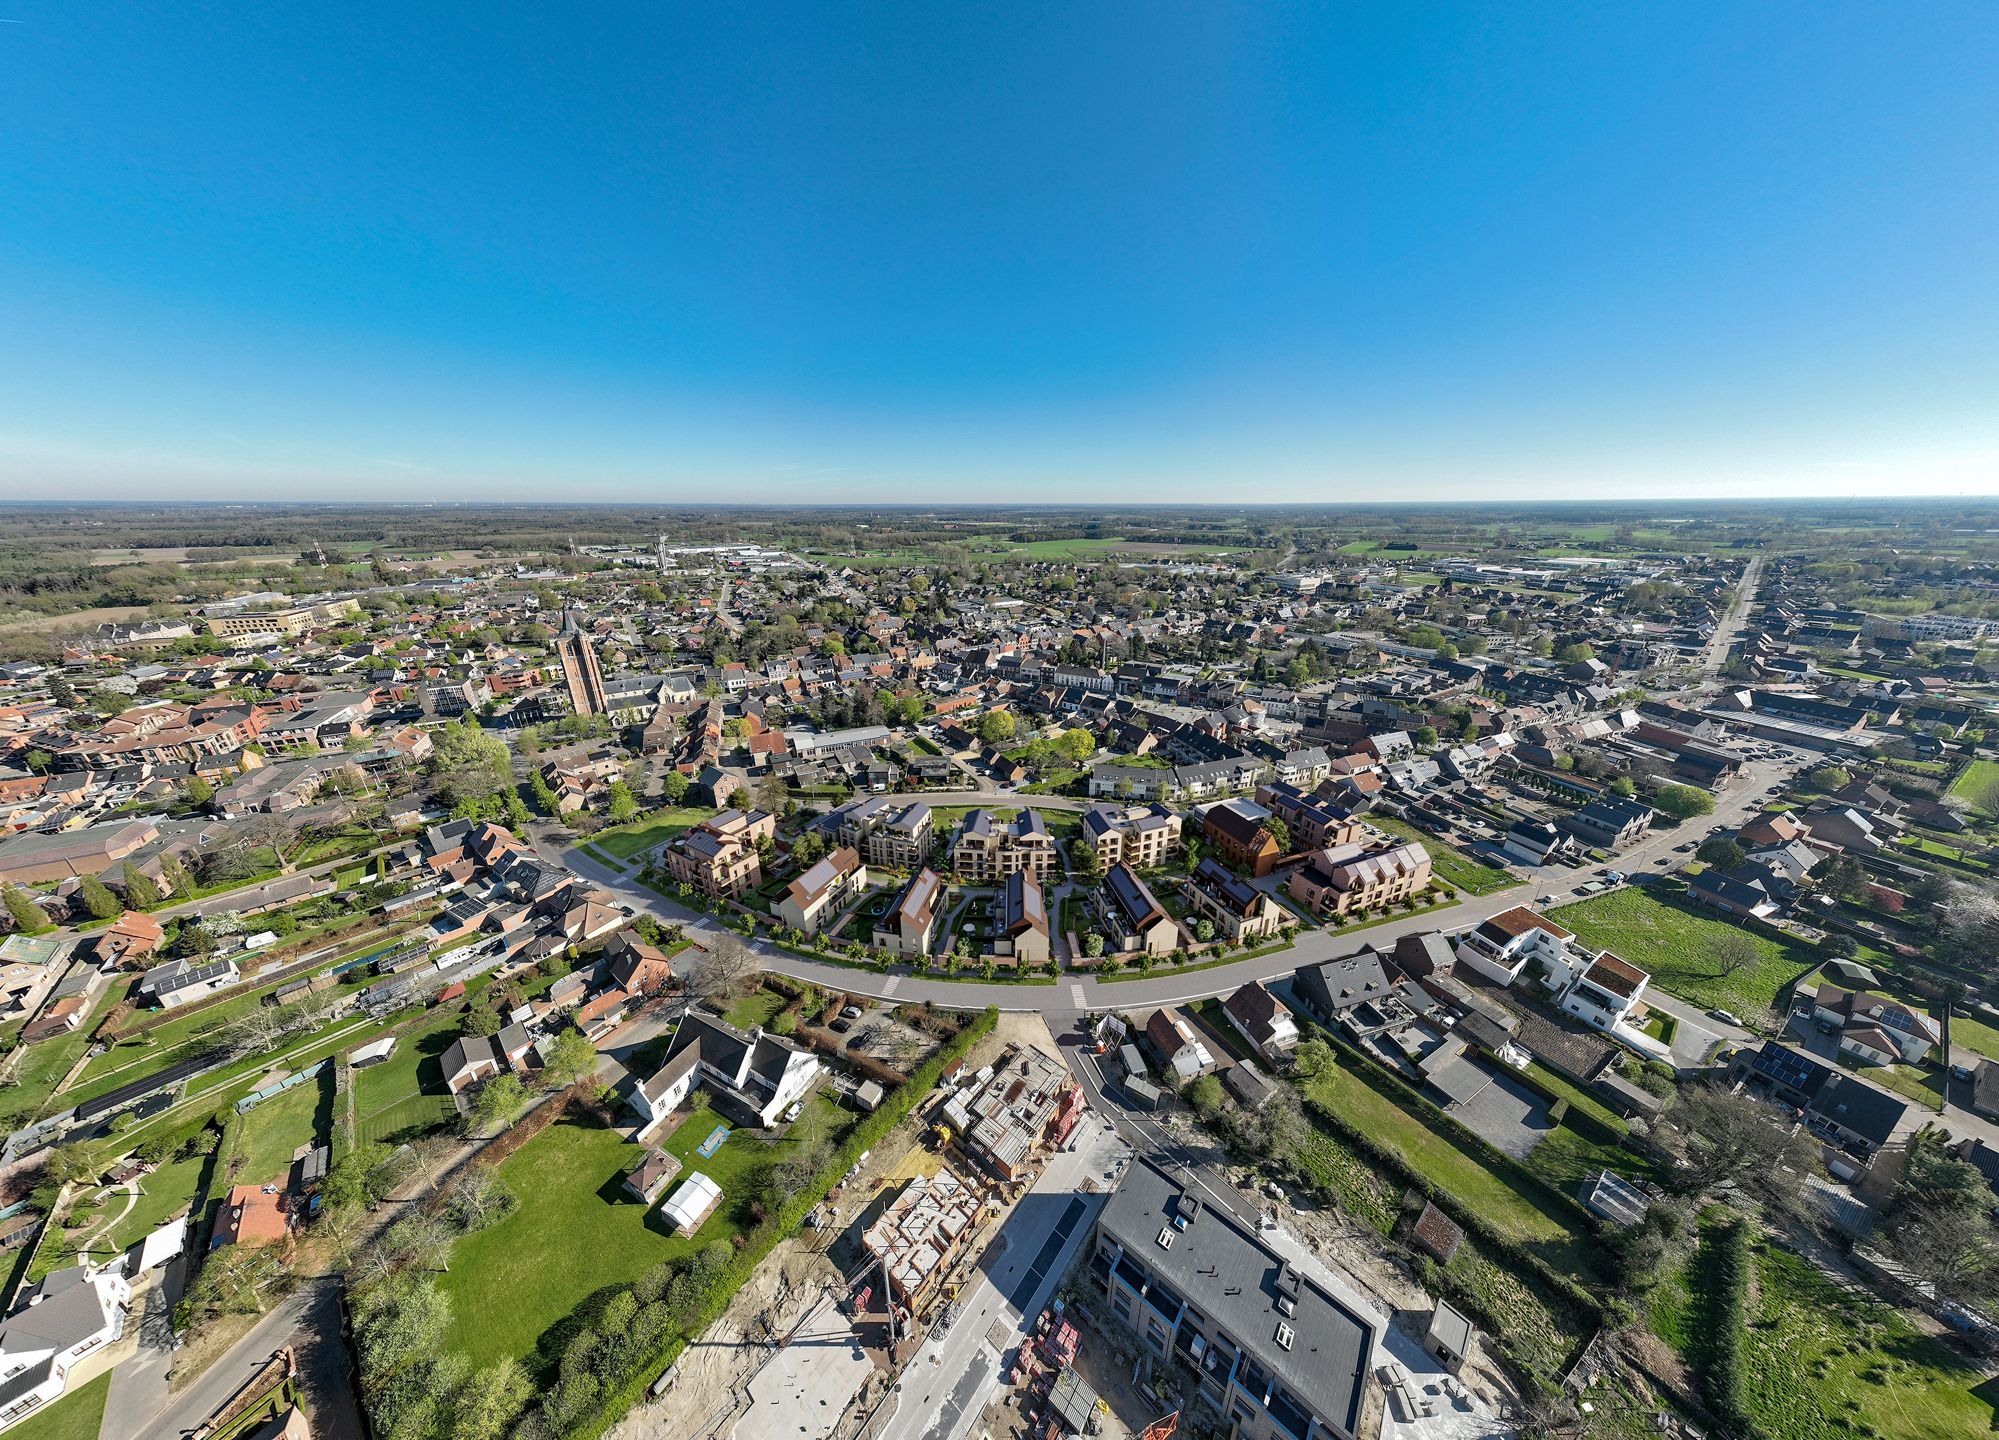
x=1727, y=1384
x=870, y=1131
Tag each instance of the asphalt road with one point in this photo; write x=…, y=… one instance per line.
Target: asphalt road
x=1171, y=985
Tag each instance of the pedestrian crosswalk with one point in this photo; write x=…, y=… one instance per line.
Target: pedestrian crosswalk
x=1076, y=996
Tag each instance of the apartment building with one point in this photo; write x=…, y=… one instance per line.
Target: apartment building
x=988, y=849
x=886, y=835
x=1350, y=877
x=1276, y=1353
x=1132, y=917
x=816, y=898
x=1239, y=911
x=1141, y=836
x=1240, y=839
x=1314, y=821
x=719, y=856
x=910, y=923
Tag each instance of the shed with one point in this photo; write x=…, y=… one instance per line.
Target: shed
x=868, y=1094
x=1449, y=1336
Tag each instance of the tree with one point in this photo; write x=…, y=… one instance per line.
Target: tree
x=1720, y=853
x=1575, y=653
x=1425, y=737
x=28, y=917
x=140, y=891
x=673, y=787
x=97, y=898
x=1077, y=745
x=1312, y=1057
x=1735, y=951
x=1624, y=787
x=1829, y=778
x=1841, y=876
x=1729, y=1139
x=175, y=874
x=497, y=1103
x=772, y=793
x=487, y=1405
x=569, y=1058
x=808, y=850
x=1940, y=1225
x=483, y=1020
x=1278, y=831
x=196, y=792
x=1683, y=802
x=622, y=806
x=996, y=727
x=1206, y=1096
x=723, y=972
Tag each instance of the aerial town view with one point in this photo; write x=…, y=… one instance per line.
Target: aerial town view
x=999, y=723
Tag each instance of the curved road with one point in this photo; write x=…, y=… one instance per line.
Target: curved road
x=1072, y=993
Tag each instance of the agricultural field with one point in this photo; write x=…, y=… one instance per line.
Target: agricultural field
x=1451, y=864
x=1677, y=945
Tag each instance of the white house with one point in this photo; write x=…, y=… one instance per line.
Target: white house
x=1503, y=946
x=751, y=1078
x=70, y=1314
x=1605, y=991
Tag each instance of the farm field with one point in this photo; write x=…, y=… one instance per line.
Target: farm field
x=1677, y=945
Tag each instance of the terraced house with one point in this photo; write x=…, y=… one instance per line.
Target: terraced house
x=988, y=849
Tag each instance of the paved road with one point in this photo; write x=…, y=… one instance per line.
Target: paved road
x=1171, y=985
x=946, y=1384
x=309, y=1319
x=1730, y=625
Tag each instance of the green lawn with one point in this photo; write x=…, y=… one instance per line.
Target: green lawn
x=1976, y=777
x=412, y=1113
x=1923, y=1084
x=1451, y=864
x=1525, y=1218
x=275, y=1129
x=1677, y=945
x=77, y=1416
x=654, y=830
x=759, y=1007
x=1824, y=1359
x=576, y=1232
x=1975, y=1036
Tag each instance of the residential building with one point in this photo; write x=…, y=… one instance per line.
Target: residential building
x=1605, y=992
x=751, y=1078
x=1314, y=821
x=1133, y=919
x=719, y=856
x=1141, y=836
x=69, y=1314
x=1239, y=839
x=988, y=849
x=817, y=898
x=1501, y=947
x=1277, y=1354
x=472, y=1058
x=909, y=925
x=1263, y=1020
x=1733, y=892
x=1877, y=1029
x=1177, y=1046
x=884, y=834
x=1609, y=822
x=1238, y=910
x=180, y=982
x=1345, y=878
x=1020, y=921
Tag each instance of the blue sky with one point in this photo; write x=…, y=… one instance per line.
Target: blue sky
x=880, y=251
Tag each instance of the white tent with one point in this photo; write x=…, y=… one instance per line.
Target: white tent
x=692, y=1203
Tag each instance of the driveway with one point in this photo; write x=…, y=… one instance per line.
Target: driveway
x=1506, y=1115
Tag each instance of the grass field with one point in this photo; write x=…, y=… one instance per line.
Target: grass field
x=1677, y=945
x=77, y=1416
x=1972, y=784
x=758, y=1007
x=1451, y=864
x=411, y=1113
x=1525, y=1218
x=274, y=1130
x=576, y=1232
x=653, y=830
x=1827, y=1359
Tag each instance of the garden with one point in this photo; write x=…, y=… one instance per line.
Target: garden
x=1449, y=863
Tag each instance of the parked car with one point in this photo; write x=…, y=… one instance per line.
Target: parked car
x=852, y=1012
x=1726, y=1017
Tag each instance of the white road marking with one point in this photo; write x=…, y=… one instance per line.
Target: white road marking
x=1076, y=996
x=888, y=986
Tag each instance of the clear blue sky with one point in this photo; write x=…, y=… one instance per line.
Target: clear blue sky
x=1012, y=251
